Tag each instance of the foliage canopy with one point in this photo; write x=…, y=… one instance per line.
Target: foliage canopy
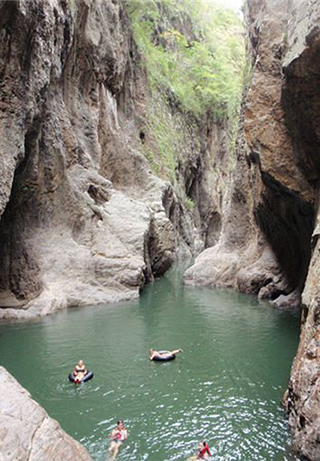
x=193, y=52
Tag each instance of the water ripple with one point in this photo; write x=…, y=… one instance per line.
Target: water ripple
x=225, y=387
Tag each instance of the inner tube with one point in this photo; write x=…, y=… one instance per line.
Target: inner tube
x=165, y=359
x=87, y=377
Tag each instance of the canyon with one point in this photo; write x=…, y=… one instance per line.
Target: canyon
x=269, y=243
x=85, y=219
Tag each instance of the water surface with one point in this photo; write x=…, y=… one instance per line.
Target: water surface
x=225, y=388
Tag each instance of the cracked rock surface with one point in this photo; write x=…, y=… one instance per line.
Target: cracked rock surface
x=269, y=243
x=83, y=218
x=27, y=433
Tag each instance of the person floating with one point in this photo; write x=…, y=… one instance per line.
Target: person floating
x=118, y=436
x=203, y=452
x=79, y=372
x=163, y=355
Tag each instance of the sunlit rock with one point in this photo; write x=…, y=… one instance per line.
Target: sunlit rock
x=27, y=432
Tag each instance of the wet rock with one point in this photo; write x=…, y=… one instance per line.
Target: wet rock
x=288, y=301
x=301, y=101
x=78, y=224
x=267, y=226
x=269, y=242
x=27, y=432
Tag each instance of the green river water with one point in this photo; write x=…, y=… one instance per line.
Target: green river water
x=225, y=388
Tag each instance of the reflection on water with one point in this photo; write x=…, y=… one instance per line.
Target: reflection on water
x=225, y=388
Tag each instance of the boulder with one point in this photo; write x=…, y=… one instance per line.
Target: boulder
x=26, y=430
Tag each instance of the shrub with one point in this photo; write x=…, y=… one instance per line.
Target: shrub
x=201, y=68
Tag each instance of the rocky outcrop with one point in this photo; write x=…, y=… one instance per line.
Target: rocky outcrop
x=69, y=234
x=83, y=218
x=265, y=242
x=269, y=243
x=27, y=432
x=301, y=101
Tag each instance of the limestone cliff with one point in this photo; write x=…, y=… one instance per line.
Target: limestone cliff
x=301, y=103
x=269, y=243
x=27, y=432
x=265, y=242
x=83, y=218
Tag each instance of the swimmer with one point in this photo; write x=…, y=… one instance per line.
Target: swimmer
x=203, y=452
x=118, y=436
x=163, y=355
x=79, y=372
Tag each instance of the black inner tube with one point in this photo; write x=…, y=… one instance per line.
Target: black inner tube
x=166, y=358
x=88, y=376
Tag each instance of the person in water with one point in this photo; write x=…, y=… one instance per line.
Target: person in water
x=203, y=452
x=118, y=436
x=163, y=355
x=79, y=372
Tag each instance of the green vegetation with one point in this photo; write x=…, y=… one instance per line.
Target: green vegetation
x=189, y=203
x=73, y=7
x=164, y=139
x=193, y=53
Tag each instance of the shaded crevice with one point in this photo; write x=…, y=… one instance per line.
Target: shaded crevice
x=177, y=216
x=19, y=271
x=287, y=223
x=286, y=220
x=160, y=261
x=8, y=14
x=170, y=205
x=193, y=178
x=301, y=103
x=99, y=194
x=213, y=227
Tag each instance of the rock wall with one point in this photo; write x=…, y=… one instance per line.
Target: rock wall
x=27, y=433
x=83, y=218
x=265, y=243
x=301, y=99
x=269, y=242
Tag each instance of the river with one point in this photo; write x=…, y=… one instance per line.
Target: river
x=225, y=387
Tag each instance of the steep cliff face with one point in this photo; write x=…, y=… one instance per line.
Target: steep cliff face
x=269, y=243
x=265, y=242
x=27, y=432
x=83, y=218
x=301, y=101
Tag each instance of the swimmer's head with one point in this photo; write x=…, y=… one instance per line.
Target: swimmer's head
x=80, y=363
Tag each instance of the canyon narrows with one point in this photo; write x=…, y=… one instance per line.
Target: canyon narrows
x=269, y=242
x=106, y=180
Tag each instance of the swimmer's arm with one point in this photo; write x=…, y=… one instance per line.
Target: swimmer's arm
x=114, y=434
x=176, y=351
